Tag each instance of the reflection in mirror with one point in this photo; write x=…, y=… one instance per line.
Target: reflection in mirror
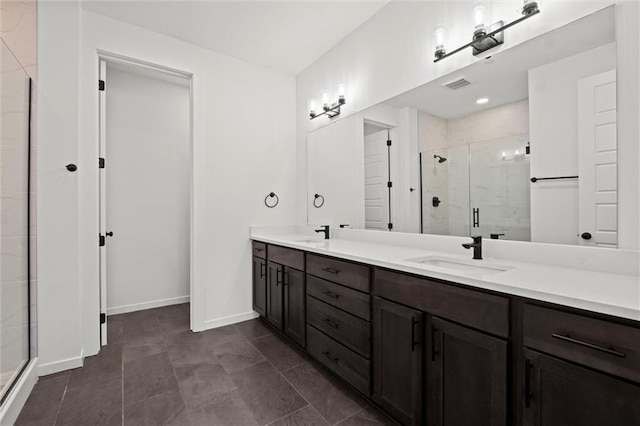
x=466, y=146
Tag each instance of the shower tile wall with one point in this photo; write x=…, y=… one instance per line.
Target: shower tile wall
x=17, y=63
x=470, y=178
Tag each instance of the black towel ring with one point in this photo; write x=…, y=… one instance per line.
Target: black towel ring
x=271, y=195
x=316, y=203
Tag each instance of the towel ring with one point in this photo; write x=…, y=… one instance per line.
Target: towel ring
x=316, y=203
x=271, y=195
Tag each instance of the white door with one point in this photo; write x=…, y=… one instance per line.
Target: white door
x=102, y=182
x=597, y=155
x=376, y=176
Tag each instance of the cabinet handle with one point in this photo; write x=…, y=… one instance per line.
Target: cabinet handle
x=285, y=278
x=263, y=269
x=414, y=322
x=528, y=368
x=331, y=270
x=331, y=323
x=331, y=294
x=434, y=343
x=278, y=280
x=570, y=339
x=332, y=359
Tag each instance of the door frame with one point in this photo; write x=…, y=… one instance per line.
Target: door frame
x=104, y=57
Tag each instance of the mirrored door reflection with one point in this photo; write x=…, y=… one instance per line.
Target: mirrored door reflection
x=14, y=219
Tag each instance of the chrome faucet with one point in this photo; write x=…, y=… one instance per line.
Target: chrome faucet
x=477, y=247
x=325, y=229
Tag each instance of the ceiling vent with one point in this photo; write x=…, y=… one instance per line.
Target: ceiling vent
x=458, y=83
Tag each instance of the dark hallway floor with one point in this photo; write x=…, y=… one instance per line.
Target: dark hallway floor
x=155, y=371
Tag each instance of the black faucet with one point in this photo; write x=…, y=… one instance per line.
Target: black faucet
x=325, y=229
x=477, y=247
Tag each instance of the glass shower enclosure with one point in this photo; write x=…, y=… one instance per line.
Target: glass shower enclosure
x=15, y=320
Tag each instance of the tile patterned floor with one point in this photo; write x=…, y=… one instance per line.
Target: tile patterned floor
x=156, y=372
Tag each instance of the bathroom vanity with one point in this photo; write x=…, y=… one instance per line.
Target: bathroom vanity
x=437, y=338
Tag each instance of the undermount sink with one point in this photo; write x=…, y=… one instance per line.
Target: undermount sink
x=472, y=267
x=309, y=241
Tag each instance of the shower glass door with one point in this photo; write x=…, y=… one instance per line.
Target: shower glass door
x=14, y=219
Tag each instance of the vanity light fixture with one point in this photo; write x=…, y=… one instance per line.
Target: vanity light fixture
x=485, y=37
x=329, y=109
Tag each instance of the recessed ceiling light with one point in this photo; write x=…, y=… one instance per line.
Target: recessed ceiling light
x=482, y=101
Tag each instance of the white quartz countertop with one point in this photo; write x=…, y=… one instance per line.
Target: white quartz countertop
x=602, y=292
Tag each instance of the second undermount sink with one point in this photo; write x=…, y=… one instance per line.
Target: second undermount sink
x=471, y=267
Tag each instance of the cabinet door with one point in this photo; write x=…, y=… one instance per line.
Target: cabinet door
x=398, y=360
x=560, y=393
x=274, y=294
x=467, y=377
x=294, y=304
x=260, y=285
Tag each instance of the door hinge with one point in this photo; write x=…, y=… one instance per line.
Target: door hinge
x=389, y=185
x=101, y=85
x=103, y=318
x=101, y=163
x=390, y=225
x=388, y=142
x=101, y=240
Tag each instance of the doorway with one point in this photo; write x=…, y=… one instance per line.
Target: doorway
x=145, y=187
x=378, y=185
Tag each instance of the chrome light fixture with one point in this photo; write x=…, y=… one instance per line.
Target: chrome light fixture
x=484, y=38
x=331, y=110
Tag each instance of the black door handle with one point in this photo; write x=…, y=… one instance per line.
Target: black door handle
x=109, y=234
x=586, y=236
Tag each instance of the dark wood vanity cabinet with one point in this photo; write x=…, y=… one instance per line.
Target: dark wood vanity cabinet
x=274, y=294
x=294, y=306
x=467, y=376
x=398, y=360
x=259, y=273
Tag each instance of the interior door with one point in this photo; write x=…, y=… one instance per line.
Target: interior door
x=376, y=176
x=597, y=161
x=102, y=182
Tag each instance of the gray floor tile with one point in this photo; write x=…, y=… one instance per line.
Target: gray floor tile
x=115, y=330
x=173, y=318
x=308, y=416
x=254, y=328
x=43, y=404
x=227, y=409
x=165, y=409
x=368, y=416
x=222, y=334
x=92, y=405
x=237, y=354
x=145, y=344
x=188, y=348
x=266, y=392
x=332, y=399
x=278, y=352
x=139, y=323
x=100, y=368
x=200, y=382
x=147, y=377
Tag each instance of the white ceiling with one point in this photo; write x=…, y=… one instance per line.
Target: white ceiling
x=287, y=36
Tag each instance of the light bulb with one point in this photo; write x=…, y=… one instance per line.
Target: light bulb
x=325, y=100
x=342, y=90
x=479, y=15
x=312, y=107
x=439, y=36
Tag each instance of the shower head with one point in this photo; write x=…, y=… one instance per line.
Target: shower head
x=440, y=158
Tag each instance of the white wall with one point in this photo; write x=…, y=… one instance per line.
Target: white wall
x=393, y=52
x=553, y=108
x=147, y=191
x=243, y=148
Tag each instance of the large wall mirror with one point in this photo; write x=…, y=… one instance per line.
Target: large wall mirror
x=521, y=145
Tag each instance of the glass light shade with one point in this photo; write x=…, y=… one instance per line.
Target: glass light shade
x=325, y=99
x=440, y=34
x=342, y=90
x=312, y=106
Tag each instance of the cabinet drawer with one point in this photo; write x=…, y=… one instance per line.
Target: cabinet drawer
x=259, y=249
x=286, y=256
x=343, y=327
x=344, y=298
x=350, y=366
x=483, y=311
x=606, y=346
x=340, y=271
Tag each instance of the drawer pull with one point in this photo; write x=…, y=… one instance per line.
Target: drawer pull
x=570, y=339
x=331, y=270
x=331, y=294
x=278, y=279
x=263, y=269
x=331, y=323
x=330, y=358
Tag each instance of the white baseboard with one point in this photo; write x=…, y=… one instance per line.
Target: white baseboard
x=147, y=305
x=57, y=366
x=233, y=319
x=18, y=396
